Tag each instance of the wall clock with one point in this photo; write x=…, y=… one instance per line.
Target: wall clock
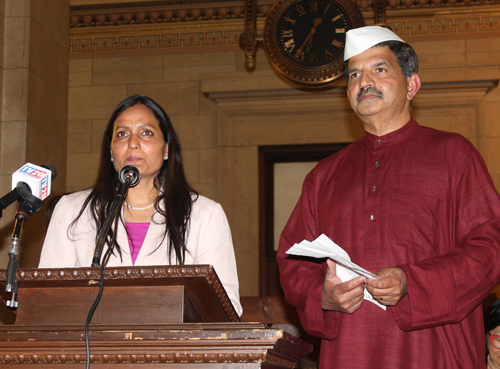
x=305, y=39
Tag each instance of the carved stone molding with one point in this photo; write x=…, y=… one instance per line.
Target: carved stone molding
x=185, y=26
x=158, y=12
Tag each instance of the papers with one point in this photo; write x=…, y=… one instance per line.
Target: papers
x=324, y=247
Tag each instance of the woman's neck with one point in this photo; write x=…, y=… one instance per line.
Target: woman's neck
x=136, y=208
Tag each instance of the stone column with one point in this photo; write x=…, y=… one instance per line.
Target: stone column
x=34, y=70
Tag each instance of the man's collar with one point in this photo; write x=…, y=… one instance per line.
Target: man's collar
x=396, y=136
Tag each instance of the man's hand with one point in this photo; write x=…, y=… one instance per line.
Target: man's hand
x=344, y=297
x=390, y=287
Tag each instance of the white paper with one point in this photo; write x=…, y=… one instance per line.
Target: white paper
x=324, y=247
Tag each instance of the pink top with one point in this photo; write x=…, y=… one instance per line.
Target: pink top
x=136, y=234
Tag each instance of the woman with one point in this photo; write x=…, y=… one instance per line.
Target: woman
x=163, y=220
x=492, y=328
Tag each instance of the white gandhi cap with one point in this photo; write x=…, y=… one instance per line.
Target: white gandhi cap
x=361, y=39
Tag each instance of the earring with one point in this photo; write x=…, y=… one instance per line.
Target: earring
x=111, y=159
x=166, y=157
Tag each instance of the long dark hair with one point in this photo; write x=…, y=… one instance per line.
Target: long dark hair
x=175, y=193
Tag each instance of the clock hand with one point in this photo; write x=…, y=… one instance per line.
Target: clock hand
x=308, y=40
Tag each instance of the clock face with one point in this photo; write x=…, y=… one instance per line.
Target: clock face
x=305, y=39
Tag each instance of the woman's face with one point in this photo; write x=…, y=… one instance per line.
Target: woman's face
x=494, y=352
x=138, y=140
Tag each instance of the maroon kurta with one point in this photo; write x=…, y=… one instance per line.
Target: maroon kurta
x=419, y=199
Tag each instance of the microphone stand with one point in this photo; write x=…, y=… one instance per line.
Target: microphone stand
x=101, y=239
x=11, y=283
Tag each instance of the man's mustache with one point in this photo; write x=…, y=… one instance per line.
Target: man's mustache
x=369, y=90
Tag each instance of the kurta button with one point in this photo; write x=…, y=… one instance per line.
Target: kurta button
x=379, y=142
x=374, y=188
x=372, y=217
x=377, y=164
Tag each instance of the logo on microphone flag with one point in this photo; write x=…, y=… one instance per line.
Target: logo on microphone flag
x=38, y=178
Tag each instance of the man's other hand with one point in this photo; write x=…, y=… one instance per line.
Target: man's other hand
x=344, y=297
x=390, y=287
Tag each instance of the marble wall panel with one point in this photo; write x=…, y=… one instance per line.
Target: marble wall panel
x=440, y=59
x=482, y=45
x=181, y=74
x=49, y=59
x=439, y=47
x=179, y=98
x=82, y=171
x=47, y=108
x=304, y=126
x=490, y=155
x=126, y=63
x=127, y=70
x=80, y=65
x=58, y=9
x=209, y=190
x=209, y=166
x=477, y=59
x=77, y=79
x=41, y=148
x=7, y=221
x=17, y=8
x=98, y=127
x=196, y=131
x=80, y=136
x=13, y=142
x=80, y=72
x=191, y=161
x=91, y=102
x=491, y=126
x=439, y=73
x=243, y=172
x=15, y=43
x=207, y=106
x=200, y=59
x=15, y=93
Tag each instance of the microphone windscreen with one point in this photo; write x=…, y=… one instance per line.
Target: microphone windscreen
x=52, y=169
x=131, y=172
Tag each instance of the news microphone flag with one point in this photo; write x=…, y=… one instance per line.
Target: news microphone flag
x=37, y=178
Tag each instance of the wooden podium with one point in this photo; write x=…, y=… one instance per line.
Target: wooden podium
x=148, y=317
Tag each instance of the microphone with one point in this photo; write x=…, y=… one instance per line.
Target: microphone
x=31, y=184
x=131, y=173
x=129, y=177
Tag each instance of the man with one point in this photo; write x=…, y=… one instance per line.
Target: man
x=413, y=204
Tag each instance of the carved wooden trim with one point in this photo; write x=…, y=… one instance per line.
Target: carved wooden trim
x=115, y=273
x=191, y=344
x=178, y=357
x=128, y=275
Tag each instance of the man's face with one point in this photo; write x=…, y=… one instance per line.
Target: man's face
x=377, y=88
